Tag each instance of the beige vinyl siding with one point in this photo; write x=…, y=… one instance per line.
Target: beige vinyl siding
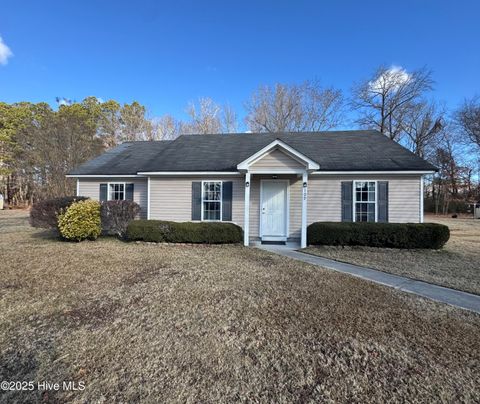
x=295, y=202
x=324, y=197
x=404, y=200
x=90, y=187
x=171, y=197
x=276, y=160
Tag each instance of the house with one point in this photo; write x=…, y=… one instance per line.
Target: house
x=272, y=185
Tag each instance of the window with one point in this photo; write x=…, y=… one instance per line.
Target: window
x=365, y=201
x=116, y=191
x=211, y=200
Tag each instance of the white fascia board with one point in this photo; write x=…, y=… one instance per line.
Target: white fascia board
x=277, y=171
x=371, y=172
x=102, y=176
x=187, y=173
x=311, y=165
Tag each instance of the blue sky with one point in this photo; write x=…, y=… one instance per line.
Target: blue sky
x=166, y=54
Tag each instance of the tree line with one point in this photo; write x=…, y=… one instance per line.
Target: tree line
x=39, y=144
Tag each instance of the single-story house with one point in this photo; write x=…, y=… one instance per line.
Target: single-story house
x=272, y=185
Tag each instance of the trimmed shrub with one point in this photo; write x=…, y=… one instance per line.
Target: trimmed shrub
x=116, y=215
x=81, y=221
x=186, y=232
x=390, y=235
x=44, y=214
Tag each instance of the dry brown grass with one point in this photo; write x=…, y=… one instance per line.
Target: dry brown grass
x=144, y=322
x=456, y=266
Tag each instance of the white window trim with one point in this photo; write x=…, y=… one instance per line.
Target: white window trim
x=221, y=201
x=354, y=196
x=124, y=190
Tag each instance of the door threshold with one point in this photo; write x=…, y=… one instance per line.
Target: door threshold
x=273, y=238
x=273, y=242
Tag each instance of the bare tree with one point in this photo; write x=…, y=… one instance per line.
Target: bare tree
x=384, y=100
x=468, y=119
x=294, y=108
x=229, y=119
x=422, y=125
x=165, y=128
x=205, y=118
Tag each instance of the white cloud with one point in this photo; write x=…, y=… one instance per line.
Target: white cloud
x=63, y=101
x=393, y=77
x=5, y=52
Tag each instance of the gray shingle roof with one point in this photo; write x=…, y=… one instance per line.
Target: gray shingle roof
x=124, y=159
x=333, y=151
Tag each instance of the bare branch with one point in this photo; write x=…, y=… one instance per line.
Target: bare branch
x=294, y=108
x=384, y=100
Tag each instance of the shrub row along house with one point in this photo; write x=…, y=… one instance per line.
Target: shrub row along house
x=272, y=185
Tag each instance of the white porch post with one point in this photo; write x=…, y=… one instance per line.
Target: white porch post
x=421, y=199
x=148, y=198
x=78, y=187
x=246, y=215
x=303, y=242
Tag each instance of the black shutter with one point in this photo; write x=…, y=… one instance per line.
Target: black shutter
x=347, y=201
x=382, y=200
x=103, y=192
x=196, y=201
x=129, y=192
x=227, y=201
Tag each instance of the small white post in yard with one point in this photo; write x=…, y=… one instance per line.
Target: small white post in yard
x=303, y=242
x=246, y=216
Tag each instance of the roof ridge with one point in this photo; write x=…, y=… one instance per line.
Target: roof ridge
x=318, y=132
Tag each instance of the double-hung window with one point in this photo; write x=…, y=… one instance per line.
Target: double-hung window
x=365, y=201
x=116, y=191
x=211, y=200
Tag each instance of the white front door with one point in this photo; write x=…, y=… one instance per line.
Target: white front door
x=273, y=210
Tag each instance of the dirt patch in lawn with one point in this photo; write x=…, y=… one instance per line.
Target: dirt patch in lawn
x=145, y=322
x=456, y=266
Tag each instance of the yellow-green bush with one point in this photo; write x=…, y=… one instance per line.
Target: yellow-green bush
x=81, y=221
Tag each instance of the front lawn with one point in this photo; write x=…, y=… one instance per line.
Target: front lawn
x=456, y=266
x=158, y=323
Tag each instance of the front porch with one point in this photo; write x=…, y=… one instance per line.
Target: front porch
x=276, y=195
x=274, y=208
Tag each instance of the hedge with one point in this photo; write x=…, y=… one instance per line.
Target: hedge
x=44, y=214
x=185, y=232
x=81, y=221
x=391, y=235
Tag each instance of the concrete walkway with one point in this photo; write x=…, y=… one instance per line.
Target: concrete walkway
x=453, y=297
